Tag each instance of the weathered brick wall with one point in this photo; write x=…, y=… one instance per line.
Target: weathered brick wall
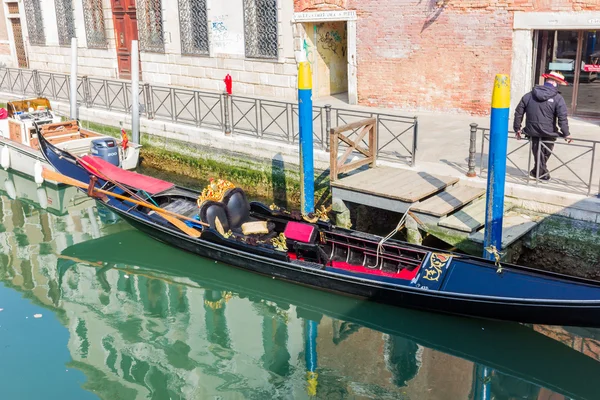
x=430, y=57
x=319, y=5
x=435, y=54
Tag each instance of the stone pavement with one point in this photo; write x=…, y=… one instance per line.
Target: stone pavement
x=443, y=148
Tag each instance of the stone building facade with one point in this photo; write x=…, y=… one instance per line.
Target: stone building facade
x=443, y=54
x=438, y=55
x=193, y=43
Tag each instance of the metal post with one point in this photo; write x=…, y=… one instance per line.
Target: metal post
x=327, y=125
x=147, y=100
x=73, y=113
x=413, y=160
x=472, y=151
x=135, y=92
x=307, y=174
x=227, y=117
x=497, y=165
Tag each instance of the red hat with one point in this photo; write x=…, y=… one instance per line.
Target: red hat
x=556, y=76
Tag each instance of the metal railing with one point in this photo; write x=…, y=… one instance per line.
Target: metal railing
x=239, y=115
x=571, y=166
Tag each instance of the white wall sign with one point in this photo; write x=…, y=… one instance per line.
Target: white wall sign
x=346, y=15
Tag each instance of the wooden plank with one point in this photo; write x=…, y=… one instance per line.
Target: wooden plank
x=353, y=165
x=354, y=125
x=427, y=185
x=514, y=226
x=373, y=180
x=380, y=181
x=449, y=200
x=470, y=218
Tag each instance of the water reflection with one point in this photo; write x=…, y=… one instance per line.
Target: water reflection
x=147, y=321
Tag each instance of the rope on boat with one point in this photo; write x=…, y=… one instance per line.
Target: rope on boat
x=385, y=239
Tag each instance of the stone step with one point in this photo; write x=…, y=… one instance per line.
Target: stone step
x=449, y=200
x=514, y=226
x=470, y=218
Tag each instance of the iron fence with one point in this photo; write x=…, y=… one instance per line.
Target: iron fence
x=259, y=118
x=571, y=166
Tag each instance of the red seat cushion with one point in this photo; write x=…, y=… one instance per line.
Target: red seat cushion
x=133, y=179
x=300, y=232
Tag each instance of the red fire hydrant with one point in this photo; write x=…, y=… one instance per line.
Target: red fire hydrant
x=228, y=84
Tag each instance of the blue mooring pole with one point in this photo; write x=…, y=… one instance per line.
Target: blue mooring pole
x=307, y=171
x=497, y=165
x=310, y=354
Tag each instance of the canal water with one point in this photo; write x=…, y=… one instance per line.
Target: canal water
x=92, y=309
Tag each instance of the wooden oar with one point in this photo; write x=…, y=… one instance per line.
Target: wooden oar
x=176, y=222
x=170, y=216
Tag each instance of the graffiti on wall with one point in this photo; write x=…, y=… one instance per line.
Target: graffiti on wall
x=223, y=35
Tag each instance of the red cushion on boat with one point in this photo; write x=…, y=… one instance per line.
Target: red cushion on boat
x=300, y=232
x=129, y=178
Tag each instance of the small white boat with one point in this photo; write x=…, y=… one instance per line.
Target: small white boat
x=19, y=149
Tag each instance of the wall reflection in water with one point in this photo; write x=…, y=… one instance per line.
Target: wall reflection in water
x=148, y=321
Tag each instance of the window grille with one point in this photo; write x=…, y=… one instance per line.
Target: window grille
x=65, y=21
x=193, y=23
x=150, y=26
x=35, y=22
x=95, y=31
x=260, y=28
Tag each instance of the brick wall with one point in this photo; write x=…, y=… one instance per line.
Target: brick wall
x=319, y=5
x=435, y=54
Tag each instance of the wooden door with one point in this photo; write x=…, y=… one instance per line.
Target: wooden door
x=19, y=45
x=126, y=30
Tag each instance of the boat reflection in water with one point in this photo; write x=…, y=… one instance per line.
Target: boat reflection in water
x=148, y=321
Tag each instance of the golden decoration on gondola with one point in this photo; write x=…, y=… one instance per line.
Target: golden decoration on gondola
x=319, y=214
x=497, y=256
x=274, y=207
x=280, y=242
x=215, y=190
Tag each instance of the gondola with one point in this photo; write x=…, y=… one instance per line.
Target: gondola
x=221, y=224
x=509, y=348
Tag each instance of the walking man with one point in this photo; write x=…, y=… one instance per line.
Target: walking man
x=545, y=111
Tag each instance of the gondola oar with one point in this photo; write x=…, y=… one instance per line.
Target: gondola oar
x=170, y=216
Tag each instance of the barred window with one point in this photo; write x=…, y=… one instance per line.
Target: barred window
x=193, y=23
x=95, y=31
x=260, y=28
x=35, y=22
x=150, y=25
x=65, y=21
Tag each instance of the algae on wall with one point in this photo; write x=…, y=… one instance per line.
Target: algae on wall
x=563, y=245
x=260, y=178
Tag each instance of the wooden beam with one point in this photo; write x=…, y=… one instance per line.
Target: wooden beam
x=354, y=125
x=353, y=165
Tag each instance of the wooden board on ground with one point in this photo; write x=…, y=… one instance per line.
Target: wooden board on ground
x=449, y=200
x=514, y=226
x=395, y=183
x=470, y=218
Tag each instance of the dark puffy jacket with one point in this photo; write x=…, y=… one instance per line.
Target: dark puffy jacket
x=544, y=107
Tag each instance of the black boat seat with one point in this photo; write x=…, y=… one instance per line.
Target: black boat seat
x=238, y=207
x=211, y=210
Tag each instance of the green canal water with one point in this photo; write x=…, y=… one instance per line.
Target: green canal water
x=92, y=309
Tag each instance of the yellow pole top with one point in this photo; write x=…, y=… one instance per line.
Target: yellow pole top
x=311, y=380
x=501, y=93
x=304, y=76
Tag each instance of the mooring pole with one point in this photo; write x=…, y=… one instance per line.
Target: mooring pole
x=307, y=179
x=135, y=92
x=496, y=165
x=74, y=113
x=310, y=354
